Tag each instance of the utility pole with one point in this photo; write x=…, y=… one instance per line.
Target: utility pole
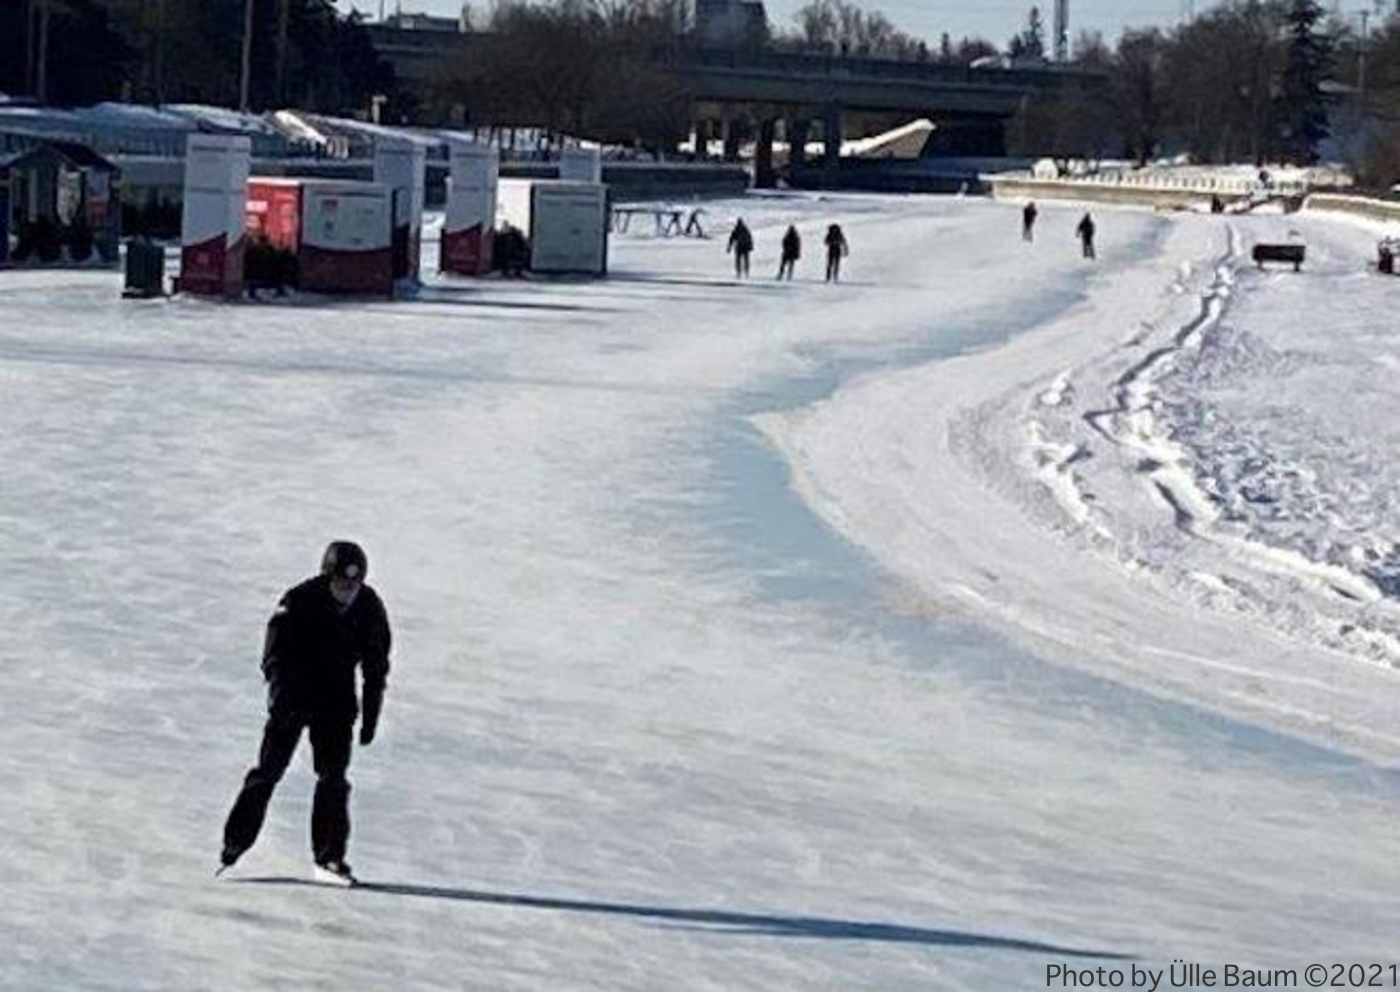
x=1361, y=57
x=283, y=17
x=247, y=67
x=1061, y=30
x=160, y=51
x=30, y=34
x=41, y=81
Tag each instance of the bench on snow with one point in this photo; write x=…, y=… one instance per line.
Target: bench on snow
x=1280, y=253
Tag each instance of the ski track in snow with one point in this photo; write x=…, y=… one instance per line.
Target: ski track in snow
x=650, y=724
x=1136, y=484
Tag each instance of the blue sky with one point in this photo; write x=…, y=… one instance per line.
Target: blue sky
x=996, y=20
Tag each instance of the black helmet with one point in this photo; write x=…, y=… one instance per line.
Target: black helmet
x=345, y=560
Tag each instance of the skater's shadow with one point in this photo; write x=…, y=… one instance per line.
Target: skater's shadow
x=721, y=921
x=757, y=283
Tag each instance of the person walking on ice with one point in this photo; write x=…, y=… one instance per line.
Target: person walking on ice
x=1028, y=215
x=741, y=245
x=323, y=630
x=1085, y=230
x=836, y=249
x=792, y=251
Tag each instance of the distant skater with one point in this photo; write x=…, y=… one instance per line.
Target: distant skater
x=836, y=249
x=1085, y=230
x=1028, y=216
x=792, y=251
x=741, y=245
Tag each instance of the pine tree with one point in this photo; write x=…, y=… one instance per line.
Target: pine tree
x=1034, y=35
x=1030, y=43
x=1300, y=109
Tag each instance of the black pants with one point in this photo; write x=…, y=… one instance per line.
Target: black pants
x=330, y=755
x=741, y=264
x=833, y=266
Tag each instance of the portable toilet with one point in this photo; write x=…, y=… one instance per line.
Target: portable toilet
x=566, y=223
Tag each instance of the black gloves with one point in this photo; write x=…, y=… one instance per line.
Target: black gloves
x=369, y=714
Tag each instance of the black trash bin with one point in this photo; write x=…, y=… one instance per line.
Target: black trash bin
x=145, y=269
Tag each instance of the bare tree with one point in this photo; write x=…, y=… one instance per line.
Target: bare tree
x=1226, y=68
x=580, y=67
x=840, y=26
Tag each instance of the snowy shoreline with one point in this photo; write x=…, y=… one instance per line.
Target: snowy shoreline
x=1155, y=486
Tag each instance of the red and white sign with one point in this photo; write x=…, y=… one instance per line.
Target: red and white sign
x=471, y=208
x=213, y=218
x=347, y=238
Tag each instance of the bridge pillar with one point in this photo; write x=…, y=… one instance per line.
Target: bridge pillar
x=731, y=139
x=831, y=136
x=702, y=139
x=763, y=154
x=797, y=133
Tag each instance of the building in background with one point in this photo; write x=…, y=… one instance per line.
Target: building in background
x=428, y=22
x=729, y=23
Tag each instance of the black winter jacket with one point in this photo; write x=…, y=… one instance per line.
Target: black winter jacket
x=312, y=650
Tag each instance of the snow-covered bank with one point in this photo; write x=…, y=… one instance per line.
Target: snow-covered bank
x=1188, y=482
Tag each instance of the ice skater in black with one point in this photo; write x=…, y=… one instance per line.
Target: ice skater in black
x=792, y=251
x=836, y=249
x=1085, y=230
x=323, y=630
x=1028, y=215
x=741, y=244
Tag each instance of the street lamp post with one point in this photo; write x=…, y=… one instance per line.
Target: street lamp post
x=41, y=81
x=1361, y=57
x=247, y=62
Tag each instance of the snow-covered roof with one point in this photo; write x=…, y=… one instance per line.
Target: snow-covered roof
x=224, y=119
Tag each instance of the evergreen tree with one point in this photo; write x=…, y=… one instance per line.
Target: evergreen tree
x=1030, y=43
x=1300, y=110
x=13, y=35
x=86, y=58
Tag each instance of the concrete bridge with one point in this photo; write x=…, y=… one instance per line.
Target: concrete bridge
x=752, y=95
x=759, y=96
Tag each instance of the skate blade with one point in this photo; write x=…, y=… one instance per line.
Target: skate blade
x=326, y=877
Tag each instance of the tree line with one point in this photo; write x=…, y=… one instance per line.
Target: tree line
x=1248, y=81
x=304, y=53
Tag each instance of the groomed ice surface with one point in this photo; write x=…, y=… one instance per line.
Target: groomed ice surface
x=653, y=724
